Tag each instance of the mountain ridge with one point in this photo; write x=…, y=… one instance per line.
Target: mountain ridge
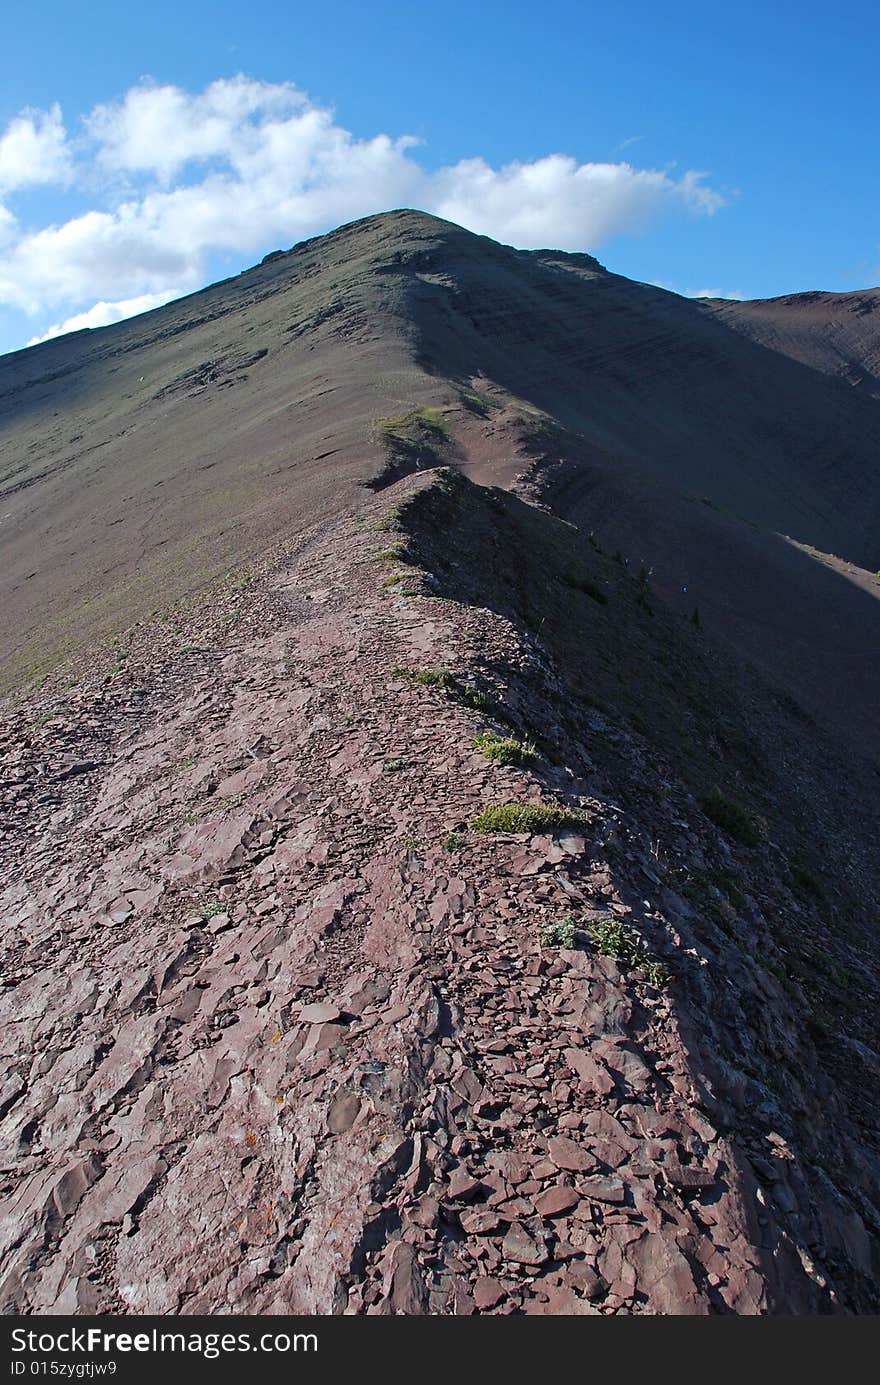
x=438, y=810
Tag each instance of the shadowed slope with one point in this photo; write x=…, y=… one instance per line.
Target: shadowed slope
x=652, y=378
x=142, y=460
x=836, y=333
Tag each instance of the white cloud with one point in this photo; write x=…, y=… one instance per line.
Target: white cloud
x=34, y=150
x=556, y=202
x=715, y=293
x=102, y=314
x=159, y=129
x=7, y=226
x=734, y=294
x=245, y=166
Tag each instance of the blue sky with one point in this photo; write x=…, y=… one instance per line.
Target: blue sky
x=146, y=150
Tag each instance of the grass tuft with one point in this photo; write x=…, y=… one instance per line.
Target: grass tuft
x=506, y=750
x=422, y=419
x=429, y=677
x=461, y=692
x=528, y=817
x=587, y=585
x=614, y=939
x=733, y=817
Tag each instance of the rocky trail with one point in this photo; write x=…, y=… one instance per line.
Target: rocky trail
x=285, y=1033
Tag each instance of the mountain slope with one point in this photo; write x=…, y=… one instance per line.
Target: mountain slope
x=145, y=460
x=836, y=333
x=428, y=896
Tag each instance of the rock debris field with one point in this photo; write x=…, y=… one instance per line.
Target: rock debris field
x=285, y=1034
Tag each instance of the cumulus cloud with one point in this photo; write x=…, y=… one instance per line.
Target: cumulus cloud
x=245, y=166
x=34, y=150
x=556, y=202
x=102, y=314
x=160, y=129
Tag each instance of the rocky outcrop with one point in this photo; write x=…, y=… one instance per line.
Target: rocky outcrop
x=283, y=1032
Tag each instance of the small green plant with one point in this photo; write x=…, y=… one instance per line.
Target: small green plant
x=506, y=749
x=529, y=817
x=395, y=766
x=429, y=677
x=778, y=970
x=717, y=893
x=841, y=977
x=399, y=552
x=411, y=843
x=473, y=697
x=643, y=601
x=210, y=909
x=462, y=692
x=729, y=885
x=733, y=817
x=807, y=882
x=594, y=702
x=614, y=939
x=455, y=841
x=587, y=585
x=476, y=403
x=42, y=720
x=561, y=934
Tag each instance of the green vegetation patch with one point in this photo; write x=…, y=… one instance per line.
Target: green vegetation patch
x=587, y=585
x=476, y=403
x=807, y=882
x=734, y=817
x=839, y=975
x=428, y=677
x=529, y=817
x=778, y=970
x=421, y=419
x=394, y=553
x=507, y=750
x=615, y=939
x=563, y=933
x=716, y=893
x=461, y=692
x=210, y=909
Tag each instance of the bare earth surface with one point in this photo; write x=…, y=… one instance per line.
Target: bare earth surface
x=283, y=1029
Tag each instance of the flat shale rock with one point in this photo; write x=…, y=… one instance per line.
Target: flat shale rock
x=281, y=1036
